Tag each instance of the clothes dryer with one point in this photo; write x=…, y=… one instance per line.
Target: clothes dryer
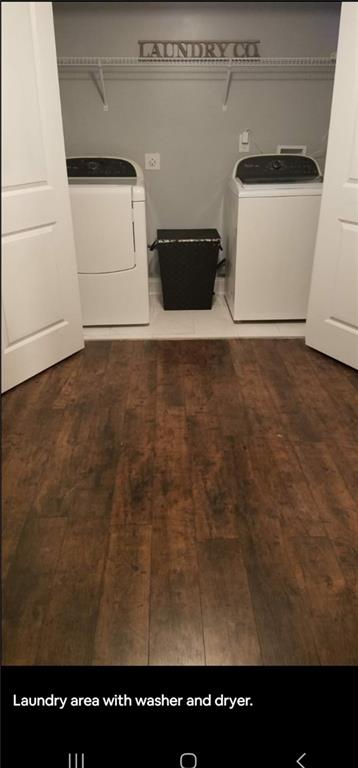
x=109, y=220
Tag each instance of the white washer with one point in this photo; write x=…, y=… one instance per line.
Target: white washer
x=109, y=220
x=271, y=212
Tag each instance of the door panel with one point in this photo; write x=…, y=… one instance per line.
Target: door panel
x=41, y=306
x=24, y=153
x=31, y=301
x=345, y=293
x=332, y=323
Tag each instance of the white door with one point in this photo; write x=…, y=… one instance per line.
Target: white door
x=332, y=321
x=40, y=297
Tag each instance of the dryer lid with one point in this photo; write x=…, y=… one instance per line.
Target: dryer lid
x=277, y=169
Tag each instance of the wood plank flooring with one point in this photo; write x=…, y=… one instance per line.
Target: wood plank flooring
x=182, y=503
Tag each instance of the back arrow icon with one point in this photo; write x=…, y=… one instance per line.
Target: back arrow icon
x=299, y=760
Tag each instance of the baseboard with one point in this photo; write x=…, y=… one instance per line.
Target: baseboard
x=155, y=286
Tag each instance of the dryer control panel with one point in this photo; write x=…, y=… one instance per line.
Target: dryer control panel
x=276, y=169
x=100, y=167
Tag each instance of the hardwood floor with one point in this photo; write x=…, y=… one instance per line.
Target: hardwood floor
x=182, y=503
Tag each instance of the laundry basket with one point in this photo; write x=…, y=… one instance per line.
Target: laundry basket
x=188, y=260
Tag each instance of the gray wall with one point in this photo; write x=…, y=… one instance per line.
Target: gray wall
x=182, y=117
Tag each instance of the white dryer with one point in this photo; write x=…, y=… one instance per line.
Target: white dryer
x=271, y=212
x=109, y=220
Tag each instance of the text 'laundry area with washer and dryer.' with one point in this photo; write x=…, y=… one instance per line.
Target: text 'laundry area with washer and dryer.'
x=195, y=168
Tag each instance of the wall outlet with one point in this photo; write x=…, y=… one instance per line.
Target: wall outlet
x=152, y=161
x=244, y=141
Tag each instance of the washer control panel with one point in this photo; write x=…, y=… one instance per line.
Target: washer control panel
x=273, y=169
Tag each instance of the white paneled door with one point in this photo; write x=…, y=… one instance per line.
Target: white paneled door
x=332, y=322
x=41, y=315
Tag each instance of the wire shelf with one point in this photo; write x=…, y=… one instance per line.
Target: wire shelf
x=127, y=61
x=248, y=67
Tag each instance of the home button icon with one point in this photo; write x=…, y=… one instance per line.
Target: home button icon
x=188, y=760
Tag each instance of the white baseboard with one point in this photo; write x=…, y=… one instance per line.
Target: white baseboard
x=155, y=286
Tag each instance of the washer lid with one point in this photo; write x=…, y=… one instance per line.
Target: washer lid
x=275, y=190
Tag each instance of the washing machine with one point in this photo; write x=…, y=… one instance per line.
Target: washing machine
x=109, y=221
x=271, y=211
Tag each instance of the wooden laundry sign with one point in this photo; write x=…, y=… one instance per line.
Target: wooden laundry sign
x=198, y=49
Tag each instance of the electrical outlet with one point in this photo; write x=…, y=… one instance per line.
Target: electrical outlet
x=244, y=141
x=152, y=161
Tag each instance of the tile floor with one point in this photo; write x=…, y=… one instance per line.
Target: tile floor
x=215, y=323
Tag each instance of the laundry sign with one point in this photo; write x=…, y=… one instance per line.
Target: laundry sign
x=198, y=49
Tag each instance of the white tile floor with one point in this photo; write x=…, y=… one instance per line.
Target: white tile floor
x=215, y=323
